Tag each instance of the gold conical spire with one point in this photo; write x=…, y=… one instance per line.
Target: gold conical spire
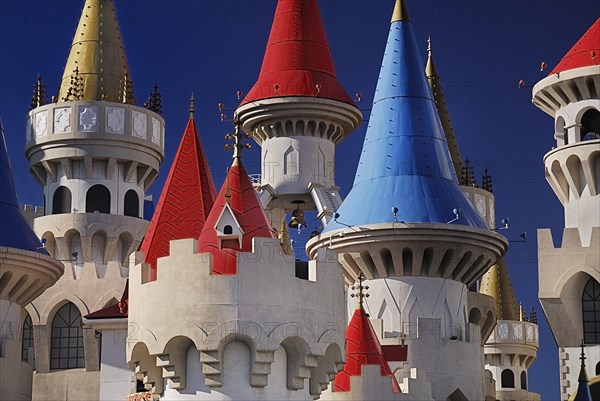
x=496, y=283
x=284, y=239
x=400, y=12
x=440, y=102
x=98, y=54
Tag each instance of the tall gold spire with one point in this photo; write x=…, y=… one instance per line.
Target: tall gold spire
x=496, y=283
x=438, y=95
x=400, y=12
x=97, y=53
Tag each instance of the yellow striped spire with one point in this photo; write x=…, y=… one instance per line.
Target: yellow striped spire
x=97, y=68
x=496, y=283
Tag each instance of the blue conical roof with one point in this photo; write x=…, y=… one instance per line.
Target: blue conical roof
x=14, y=230
x=405, y=161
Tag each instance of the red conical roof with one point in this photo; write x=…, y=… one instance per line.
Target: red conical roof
x=297, y=59
x=585, y=53
x=237, y=191
x=185, y=202
x=362, y=348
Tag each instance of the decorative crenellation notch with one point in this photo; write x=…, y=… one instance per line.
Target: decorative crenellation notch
x=39, y=94
x=154, y=102
x=75, y=91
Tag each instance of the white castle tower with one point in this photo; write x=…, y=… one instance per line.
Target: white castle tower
x=569, y=272
x=95, y=153
x=298, y=112
x=26, y=271
x=420, y=244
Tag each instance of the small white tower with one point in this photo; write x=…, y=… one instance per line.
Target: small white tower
x=94, y=152
x=569, y=288
x=298, y=112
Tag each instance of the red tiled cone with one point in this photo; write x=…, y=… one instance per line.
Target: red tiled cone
x=248, y=212
x=297, y=59
x=185, y=202
x=362, y=348
x=585, y=53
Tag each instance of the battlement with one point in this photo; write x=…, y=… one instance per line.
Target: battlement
x=306, y=317
x=31, y=212
x=571, y=242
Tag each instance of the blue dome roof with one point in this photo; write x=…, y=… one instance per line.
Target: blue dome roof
x=14, y=230
x=405, y=161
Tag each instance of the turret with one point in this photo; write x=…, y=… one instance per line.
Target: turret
x=569, y=269
x=95, y=153
x=420, y=242
x=298, y=111
x=26, y=270
x=239, y=339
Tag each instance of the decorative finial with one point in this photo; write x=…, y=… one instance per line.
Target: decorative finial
x=154, y=102
x=39, y=94
x=429, y=46
x=582, y=358
x=192, y=108
x=227, y=191
x=238, y=145
x=400, y=12
x=360, y=291
x=487, y=181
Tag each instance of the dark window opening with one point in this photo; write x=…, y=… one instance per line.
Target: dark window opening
x=97, y=199
x=302, y=269
x=27, y=340
x=590, y=125
x=132, y=204
x=139, y=386
x=227, y=230
x=66, y=350
x=590, y=307
x=507, y=378
x=61, y=201
x=523, y=380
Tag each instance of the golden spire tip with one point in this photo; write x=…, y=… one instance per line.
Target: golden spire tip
x=429, y=46
x=400, y=12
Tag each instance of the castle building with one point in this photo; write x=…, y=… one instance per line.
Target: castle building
x=569, y=271
x=406, y=299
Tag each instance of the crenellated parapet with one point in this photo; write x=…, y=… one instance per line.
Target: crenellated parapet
x=225, y=312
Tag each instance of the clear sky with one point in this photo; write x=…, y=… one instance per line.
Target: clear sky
x=215, y=47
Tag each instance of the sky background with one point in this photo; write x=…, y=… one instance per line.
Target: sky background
x=215, y=48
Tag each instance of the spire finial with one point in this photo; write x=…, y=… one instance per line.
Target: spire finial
x=238, y=145
x=360, y=291
x=400, y=12
x=582, y=357
x=429, y=46
x=192, y=108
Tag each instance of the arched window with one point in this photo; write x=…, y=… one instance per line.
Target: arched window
x=228, y=230
x=598, y=369
x=523, y=380
x=61, y=200
x=590, y=125
x=27, y=340
x=66, y=350
x=507, y=378
x=590, y=306
x=132, y=204
x=97, y=199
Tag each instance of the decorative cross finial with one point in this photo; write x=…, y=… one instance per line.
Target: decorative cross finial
x=192, y=108
x=360, y=291
x=238, y=145
x=582, y=358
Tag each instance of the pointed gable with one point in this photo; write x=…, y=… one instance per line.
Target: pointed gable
x=585, y=53
x=239, y=197
x=297, y=59
x=362, y=348
x=185, y=202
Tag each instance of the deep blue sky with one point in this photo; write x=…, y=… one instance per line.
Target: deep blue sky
x=214, y=48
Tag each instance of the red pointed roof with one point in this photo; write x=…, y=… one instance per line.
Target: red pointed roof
x=115, y=311
x=248, y=212
x=185, y=202
x=585, y=53
x=362, y=348
x=297, y=59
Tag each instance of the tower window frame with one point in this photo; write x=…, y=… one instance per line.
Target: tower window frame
x=590, y=311
x=66, y=343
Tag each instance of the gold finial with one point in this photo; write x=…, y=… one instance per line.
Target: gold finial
x=98, y=51
x=39, y=94
x=238, y=145
x=284, y=238
x=400, y=12
x=429, y=46
x=360, y=291
x=192, y=108
x=521, y=312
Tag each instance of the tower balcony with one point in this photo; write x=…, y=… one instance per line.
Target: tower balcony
x=24, y=275
x=399, y=249
x=57, y=134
